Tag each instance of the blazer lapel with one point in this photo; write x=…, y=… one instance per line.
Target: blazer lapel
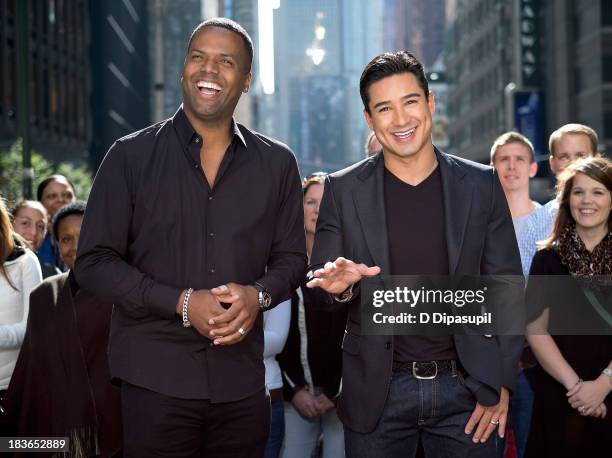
x=457, y=193
x=370, y=204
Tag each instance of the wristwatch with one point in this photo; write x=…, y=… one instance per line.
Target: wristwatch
x=263, y=296
x=608, y=372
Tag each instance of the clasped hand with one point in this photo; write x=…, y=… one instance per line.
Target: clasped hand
x=588, y=397
x=224, y=327
x=310, y=406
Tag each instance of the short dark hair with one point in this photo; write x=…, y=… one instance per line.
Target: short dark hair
x=230, y=25
x=50, y=179
x=75, y=208
x=388, y=64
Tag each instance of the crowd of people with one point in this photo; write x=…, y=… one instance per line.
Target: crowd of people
x=173, y=315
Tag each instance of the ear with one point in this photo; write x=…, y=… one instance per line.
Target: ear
x=247, y=82
x=368, y=119
x=551, y=163
x=533, y=169
x=431, y=102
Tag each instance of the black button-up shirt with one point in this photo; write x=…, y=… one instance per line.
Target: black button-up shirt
x=154, y=227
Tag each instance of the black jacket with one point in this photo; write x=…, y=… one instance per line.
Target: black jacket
x=480, y=240
x=323, y=331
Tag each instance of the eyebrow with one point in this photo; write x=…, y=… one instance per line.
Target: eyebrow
x=407, y=96
x=224, y=54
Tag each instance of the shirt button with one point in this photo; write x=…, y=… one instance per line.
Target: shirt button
x=212, y=271
x=210, y=197
x=387, y=345
x=212, y=234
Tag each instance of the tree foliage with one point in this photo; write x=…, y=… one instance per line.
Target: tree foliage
x=11, y=173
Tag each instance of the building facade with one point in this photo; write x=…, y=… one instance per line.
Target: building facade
x=57, y=83
x=529, y=65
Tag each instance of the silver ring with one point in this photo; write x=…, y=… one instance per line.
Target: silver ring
x=241, y=331
x=581, y=409
x=494, y=422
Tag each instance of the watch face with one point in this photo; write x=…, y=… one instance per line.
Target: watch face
x=267, y=299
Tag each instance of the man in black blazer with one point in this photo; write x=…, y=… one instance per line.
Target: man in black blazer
x=414, y=210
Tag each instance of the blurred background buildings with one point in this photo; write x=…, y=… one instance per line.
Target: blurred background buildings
x=77, y=74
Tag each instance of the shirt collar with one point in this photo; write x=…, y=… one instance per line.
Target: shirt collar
x=186, y=131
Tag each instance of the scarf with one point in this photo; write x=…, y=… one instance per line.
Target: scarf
x=578, y=260
x=583, y=264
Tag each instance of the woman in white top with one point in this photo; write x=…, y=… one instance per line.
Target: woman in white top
x=276, y=328
x=19, y=275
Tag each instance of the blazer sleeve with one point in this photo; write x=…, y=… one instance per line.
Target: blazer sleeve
x=329, y=242
x=501, y=259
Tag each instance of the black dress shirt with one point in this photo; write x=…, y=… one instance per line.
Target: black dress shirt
x=154, y=227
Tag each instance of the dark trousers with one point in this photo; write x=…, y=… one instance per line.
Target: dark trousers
x=434, y=412
x=156, y=425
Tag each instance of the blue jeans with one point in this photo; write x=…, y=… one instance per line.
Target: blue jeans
x=432, y=411
x=302, y=435
x=277, y=430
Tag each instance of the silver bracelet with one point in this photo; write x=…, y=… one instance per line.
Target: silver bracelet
x=344, y=296
x=186, y=322
x=576, y=384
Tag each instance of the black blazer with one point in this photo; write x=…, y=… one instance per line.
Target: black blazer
x=481, y=240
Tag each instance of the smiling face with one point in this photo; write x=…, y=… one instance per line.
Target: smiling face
x=514, y=166
x=590, y=203
x=31, y=224
x=68, y=233
x=215, y=74
x=400, y=115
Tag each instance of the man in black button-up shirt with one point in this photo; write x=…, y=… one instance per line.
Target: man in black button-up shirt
x=195, y=201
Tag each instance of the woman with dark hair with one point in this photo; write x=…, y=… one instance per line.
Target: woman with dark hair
x=61, y=386
x=311, y=361
x=53, y=192
x=572, y=417
x=30, y=220
x=19, y=274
